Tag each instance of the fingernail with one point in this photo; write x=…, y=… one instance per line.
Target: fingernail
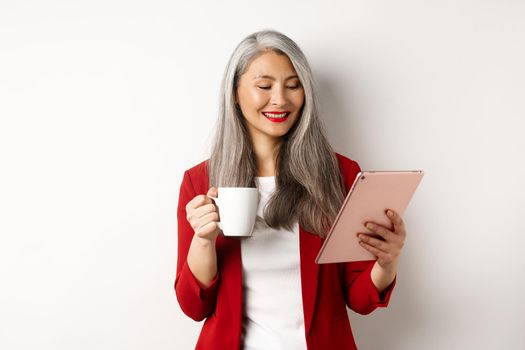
x=370, y=226
x=389, y=213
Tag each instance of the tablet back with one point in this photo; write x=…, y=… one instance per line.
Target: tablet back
x=371, y=194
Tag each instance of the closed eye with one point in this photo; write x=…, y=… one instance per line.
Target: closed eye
x=268, y=87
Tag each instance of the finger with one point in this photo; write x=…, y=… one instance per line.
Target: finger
x=380, y=230
x=374, y=242
x=378, y=253
x=212, y=191
x=391, y=249
x=205, y=209
x=198, y=201
x=206, y=219
x=392, y=238
x=195, y=216
x=206, y=230
x=397, y=221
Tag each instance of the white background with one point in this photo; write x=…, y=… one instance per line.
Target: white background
x=104, y=104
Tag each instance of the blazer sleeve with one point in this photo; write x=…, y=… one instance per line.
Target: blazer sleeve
x=361, y=294
x=195, y=300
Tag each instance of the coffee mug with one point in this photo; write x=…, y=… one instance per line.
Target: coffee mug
x=237, y=210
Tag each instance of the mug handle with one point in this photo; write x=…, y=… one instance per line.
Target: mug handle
x=215, y=199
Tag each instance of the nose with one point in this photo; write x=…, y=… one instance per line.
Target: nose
x=278, y=97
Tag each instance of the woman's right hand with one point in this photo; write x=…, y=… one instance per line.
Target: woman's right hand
x=202, y=214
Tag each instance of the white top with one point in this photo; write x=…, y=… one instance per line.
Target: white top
x=272, y=316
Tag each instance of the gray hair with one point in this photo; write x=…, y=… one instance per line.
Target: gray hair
x=309, y=185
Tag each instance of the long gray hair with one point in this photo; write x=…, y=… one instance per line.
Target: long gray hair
x=309, y=185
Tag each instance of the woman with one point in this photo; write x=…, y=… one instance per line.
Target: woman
x=266, y=291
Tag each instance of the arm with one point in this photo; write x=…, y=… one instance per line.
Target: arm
x=387, y=250
x=202, y=260
x=195, y=286
x=361, y=294
x=382, y=277
x=367, y=285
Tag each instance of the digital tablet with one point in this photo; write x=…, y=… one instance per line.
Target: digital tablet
x=370, y=195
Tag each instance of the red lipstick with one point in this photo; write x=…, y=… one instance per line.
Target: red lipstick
x=276, y=116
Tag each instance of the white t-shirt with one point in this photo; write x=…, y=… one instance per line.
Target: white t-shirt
x=272, y=316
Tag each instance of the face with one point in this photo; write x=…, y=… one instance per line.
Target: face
x=270, y=96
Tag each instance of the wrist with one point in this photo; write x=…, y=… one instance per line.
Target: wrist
x=382, y=276
x=204, y=242
x=387, y=269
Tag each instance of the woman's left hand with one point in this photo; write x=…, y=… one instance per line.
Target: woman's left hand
x=387, y=250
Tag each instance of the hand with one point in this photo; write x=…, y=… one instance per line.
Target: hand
x=387, y=250
x=202, y=214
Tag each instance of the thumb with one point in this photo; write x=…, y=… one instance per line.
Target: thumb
x=213, y=192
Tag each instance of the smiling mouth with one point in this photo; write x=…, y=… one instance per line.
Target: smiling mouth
x=276, y=117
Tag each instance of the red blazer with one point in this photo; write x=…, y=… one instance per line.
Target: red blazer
x=326, y=289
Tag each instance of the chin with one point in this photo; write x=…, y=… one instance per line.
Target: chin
x=279, y=135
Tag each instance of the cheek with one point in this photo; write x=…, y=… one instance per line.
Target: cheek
x=250, y=99
x=298, y=100
x=257, y=100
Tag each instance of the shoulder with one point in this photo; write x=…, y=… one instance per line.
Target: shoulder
x=349, y=168
x=197, y=177
x=198, y=169
x=347, y=164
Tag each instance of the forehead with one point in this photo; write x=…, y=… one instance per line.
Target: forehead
x=270, y=65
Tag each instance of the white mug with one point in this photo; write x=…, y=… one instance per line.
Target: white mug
x=237, y=210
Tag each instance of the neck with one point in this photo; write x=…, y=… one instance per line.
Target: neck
x=266, y=155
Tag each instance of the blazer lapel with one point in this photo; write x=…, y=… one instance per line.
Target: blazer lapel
x=230, y=249
x=309, y=246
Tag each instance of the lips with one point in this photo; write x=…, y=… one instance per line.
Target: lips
x=277, y=117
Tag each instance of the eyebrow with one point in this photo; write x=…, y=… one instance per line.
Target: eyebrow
x=272, y=78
